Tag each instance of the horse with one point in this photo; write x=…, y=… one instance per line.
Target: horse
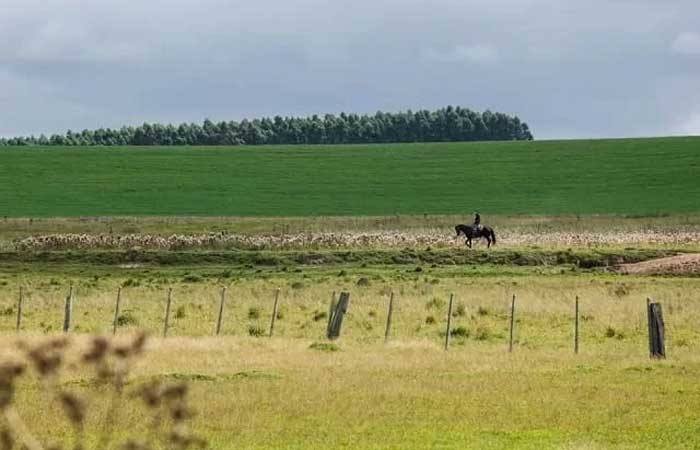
x=472, y=232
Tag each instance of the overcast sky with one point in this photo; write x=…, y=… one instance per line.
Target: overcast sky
x=593, y=68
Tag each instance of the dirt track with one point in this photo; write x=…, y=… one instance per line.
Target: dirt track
x=673, y=265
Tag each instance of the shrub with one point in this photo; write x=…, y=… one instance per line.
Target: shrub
x=482, y=311
x=193, y=278
x=130, y=282
x=297, y=285
x=435, y=303
x=324, y=346
x=482, y=333
x=459, y=331
x=256, y=331
x=460, y=311
x=610, y=332
x=364, y=281
x=127, y=318
x=253, y=312
x=180, y=312
x=430, y=320
x=319, y=315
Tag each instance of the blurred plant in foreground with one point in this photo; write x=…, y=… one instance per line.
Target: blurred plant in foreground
x=165, y=403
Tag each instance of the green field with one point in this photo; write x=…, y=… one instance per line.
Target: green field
x=631, y=176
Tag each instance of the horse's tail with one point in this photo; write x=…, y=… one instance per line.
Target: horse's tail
x=493, y=236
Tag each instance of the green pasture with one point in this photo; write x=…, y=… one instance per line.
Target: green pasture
x=626, y=176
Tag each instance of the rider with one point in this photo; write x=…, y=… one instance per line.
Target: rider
x=477, y=221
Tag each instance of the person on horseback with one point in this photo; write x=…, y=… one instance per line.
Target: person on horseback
x=477, y=222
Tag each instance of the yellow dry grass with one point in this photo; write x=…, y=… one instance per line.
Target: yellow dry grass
x=266, y=393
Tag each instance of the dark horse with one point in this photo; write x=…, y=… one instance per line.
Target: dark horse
x=471, y=232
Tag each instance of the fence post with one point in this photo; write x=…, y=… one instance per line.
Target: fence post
x=116, y=310
x=274, y=311
x=449, y=323
x=337, y=319
x=19, y=308
x=649, y=332
x=166, y=321
x=68, y=310
x=512, y=323
x=576, y=328
x=330, y=313
x=657, y=348
x=221, y=311
x=388, y=318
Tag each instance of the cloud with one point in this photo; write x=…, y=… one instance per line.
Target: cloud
x=687, y=43
x=478, y=54
x=570, y=69
x=689, y=127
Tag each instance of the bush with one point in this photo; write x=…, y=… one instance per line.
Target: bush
x=459, y=331
x=482, y=311
x=430, y=320
x=435, y=303
x=363, y=281
x=324, y=346
x=320, y=315
x=192, y=279
x=130, y=282
x=256, y=331
x=610, y=332
x=253, y=312
x=482, y=333
x=127, y=318
x=297, y=285
x=460, y=311
x=180, y=312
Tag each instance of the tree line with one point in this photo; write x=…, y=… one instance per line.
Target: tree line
x=445, y=124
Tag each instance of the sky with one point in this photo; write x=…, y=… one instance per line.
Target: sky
x=570, y=69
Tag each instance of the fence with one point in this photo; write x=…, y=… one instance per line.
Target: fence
x=338, y=308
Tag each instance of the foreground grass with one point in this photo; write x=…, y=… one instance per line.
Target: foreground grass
x=626, y=176
x=280, y=394
x=293, y=392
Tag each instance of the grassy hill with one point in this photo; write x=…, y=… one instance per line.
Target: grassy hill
x=626, y=176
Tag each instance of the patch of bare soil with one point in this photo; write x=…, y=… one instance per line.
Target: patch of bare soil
x=672, y=265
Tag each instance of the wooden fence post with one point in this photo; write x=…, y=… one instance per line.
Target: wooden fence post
x=116, y=311
x=512, y=323
x=19, y=308
x=655, y=316
x=338, y=313
x=576, y=327
x=649, y=333
x=68, y=310
x=166, y=321
x=449, y=323
x=388, y=318
x=221, y=311
x=331, y=308
x=274, y=311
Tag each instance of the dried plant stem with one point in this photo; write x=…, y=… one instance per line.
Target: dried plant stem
x=17, y=424
x=114, y=403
